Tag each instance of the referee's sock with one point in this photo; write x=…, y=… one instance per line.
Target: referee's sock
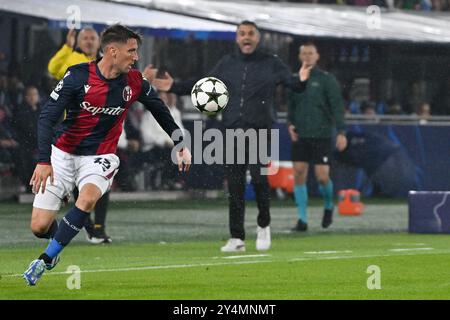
x=327, y=192
x=301, y=199
x=68, y=228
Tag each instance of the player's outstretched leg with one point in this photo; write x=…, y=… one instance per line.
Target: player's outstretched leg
x=69, y=227
x=43, y=225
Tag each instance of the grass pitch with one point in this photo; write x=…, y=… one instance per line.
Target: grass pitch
x=170, y=250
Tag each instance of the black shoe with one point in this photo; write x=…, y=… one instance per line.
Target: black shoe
x=89, y=227
x=99, y=236
x=327, y=218
x=96, y=235
x=300, y=226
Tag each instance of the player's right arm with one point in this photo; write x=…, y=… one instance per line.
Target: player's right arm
x=180, y=88
x=60, y=98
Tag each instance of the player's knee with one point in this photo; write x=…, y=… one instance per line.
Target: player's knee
x=90, y=192
x=38, y=228
x=300, y=177
x=300, y=173
x=323, y=180
x=86, y=202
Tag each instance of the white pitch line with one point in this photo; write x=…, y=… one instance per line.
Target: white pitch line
x=409, y=249
x=327, y=252
x=410, y=244
x=247, y=256
x=346, y=257
x=175, y=266
x=178, y=266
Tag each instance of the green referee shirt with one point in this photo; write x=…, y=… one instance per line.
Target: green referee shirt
x=318, y=109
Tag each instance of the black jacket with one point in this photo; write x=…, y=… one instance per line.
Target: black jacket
x=251, y=81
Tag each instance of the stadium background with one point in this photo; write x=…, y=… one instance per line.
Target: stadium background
x=390, y=72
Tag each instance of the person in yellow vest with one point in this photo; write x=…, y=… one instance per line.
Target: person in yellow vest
x=84, y=49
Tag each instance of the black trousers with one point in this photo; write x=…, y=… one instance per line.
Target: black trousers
x=236, y=178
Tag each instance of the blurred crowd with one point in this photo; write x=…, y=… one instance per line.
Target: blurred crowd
x=392, y=107
x=144, y=148
x=417, y=5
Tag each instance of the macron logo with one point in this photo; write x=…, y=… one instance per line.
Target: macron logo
x=86, y=88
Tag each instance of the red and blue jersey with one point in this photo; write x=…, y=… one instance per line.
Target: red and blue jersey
x=95, y=110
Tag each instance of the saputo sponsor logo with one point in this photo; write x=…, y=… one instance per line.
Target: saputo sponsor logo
x=112, y=111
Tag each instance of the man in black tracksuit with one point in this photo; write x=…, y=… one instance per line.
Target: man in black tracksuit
x=251, y=77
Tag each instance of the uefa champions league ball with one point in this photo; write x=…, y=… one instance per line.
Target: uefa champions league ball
x=209, y=95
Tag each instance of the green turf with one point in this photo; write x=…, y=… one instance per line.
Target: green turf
x=171, y=251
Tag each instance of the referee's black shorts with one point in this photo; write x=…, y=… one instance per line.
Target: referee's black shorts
x=312, y=150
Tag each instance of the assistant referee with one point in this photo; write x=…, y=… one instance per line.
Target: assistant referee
x=313, y=116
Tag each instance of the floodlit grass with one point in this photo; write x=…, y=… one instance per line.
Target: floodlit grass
x=171, y=251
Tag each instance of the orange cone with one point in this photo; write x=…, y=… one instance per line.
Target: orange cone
x=350, y=203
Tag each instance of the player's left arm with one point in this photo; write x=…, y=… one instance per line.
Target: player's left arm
x=160, y=112
x=336, y=102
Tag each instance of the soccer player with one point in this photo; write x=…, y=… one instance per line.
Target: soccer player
x=312, y=116
x=85, y=49
x=96, y=96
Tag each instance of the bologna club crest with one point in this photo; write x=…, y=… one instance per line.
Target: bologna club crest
x=127, y=93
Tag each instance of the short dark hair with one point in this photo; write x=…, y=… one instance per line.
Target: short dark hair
x=248, y=23
x=29, y=87
x=309, y=44
x=118, y=33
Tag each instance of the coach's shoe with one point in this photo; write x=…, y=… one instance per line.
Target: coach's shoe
x=263, y=238
x=234, y=245
x=34, y=272
x=300, y=226
x=327, y=218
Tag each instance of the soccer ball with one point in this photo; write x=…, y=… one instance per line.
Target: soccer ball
x=209, y=95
